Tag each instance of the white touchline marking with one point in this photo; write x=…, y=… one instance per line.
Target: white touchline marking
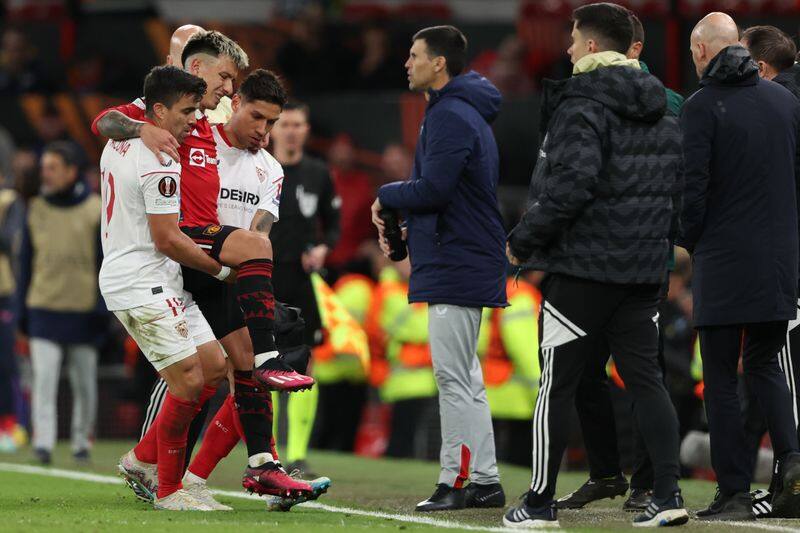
x=445, y=524
x=766, y=527
x=111, y=480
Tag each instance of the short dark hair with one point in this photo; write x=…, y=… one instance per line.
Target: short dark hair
x=67, y=151
x=262, y=84
x=168, y=84
x=770, y=45
x=448, y=42
x=214, y=44
x=296, y=105
x=608, y=24
x=638, y=29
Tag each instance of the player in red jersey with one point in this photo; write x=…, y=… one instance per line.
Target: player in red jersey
x=217, y=60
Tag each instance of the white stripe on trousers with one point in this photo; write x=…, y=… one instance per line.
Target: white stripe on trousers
x=541, y=429
x=153, y=408
x=785, y=362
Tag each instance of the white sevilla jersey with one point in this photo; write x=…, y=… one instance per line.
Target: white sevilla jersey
x=248, y=182
x=134, y=184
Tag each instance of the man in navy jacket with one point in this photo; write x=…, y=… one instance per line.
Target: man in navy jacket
x=456, y=244
x=739, y=221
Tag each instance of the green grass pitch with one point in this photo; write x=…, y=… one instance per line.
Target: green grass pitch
x=37, y=502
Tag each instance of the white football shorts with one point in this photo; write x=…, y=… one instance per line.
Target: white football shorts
x=166, y=331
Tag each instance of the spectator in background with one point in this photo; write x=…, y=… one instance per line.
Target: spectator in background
x=307, y=60
x=308, y=228
x=356, y=191
x=51, y=128
x=7, y=149
x=396, y=163
x=58, y=297
x=20, y=72
x=506, y=67
x=25, y=173
x=11, y=214
x=377, y=69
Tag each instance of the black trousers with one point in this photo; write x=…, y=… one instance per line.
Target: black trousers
x=598, y=423
x=292, y=285
x=755, y=423
x=574, y=314
x=408, y=427
x=512, y=441
x=759, y=345
x=8, y=361
x=338, y=415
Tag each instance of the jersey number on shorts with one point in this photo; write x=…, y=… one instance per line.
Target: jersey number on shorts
x=108, y=195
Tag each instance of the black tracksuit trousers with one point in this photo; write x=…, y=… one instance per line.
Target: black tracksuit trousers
x=598, y=424
x=575, y=313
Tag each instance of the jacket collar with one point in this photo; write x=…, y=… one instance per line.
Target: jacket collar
x=732, y=66
x=608, y=58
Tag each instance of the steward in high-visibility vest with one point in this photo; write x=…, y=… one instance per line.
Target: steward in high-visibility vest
x=336, y=362
x=404, y=331
x=508, y=347
x=401, y=360
x=340, y=362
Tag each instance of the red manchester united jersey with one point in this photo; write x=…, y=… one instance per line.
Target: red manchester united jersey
x=199, y=175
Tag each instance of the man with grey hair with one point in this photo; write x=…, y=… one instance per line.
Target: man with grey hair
x=739, y=222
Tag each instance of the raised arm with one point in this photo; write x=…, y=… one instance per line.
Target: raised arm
x=126, y=122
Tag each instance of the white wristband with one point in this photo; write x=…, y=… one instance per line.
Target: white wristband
x=224, y=272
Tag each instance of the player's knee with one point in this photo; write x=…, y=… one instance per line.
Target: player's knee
x=258, y=246
x=215, y=372
x=189, y=384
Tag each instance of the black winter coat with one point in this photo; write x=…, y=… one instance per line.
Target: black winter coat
x=603, y=196
x=739, y=216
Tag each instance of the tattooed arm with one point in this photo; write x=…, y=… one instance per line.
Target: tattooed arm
x=117, y=126
x=262, y=222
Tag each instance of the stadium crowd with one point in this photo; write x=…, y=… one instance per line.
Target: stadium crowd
x=375, y=352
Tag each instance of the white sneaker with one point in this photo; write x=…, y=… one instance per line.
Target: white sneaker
x=180, y=500
x=141, y=477
x=201, y=493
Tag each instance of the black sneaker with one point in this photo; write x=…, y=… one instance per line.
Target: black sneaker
x=733, y=507
x=43, y=456
x=662, y=513
x=484, y=496
x=444, y=498
x=82, y=457
x=762, y=503
x=593, y=490
x=299, y=469
x=638, y=500
x=523, y=516
x=786, y=501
